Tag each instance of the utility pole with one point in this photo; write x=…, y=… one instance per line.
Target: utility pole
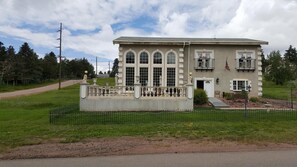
x=96, y=67
x=109, y=67
x=60, y=55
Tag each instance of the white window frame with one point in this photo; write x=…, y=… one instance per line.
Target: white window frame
x=171, y=66
x=145, y=65
x=246, y=81
x=135, y=65
x=152, y=66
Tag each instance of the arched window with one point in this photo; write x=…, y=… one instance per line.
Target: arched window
x=171, y=58
x=157, y=58
x=130, y=58
x=143, y=58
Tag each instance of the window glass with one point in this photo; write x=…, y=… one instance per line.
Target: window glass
x=171, y=58
x=157, y=72
x=129, y=76
x=143, y=71
x=170, y=76
x=130, y=58
x=157, y=58
x=143, y=58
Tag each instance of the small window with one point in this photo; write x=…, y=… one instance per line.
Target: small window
x=130, y=58
x=239, y=85
x=157, y=58
x=171, y=58
x=143, y=58
x=204, y=60
x=245, y=60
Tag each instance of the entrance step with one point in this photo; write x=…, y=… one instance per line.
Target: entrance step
x=217, y=103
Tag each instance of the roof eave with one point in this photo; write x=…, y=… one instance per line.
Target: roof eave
x=187, y=43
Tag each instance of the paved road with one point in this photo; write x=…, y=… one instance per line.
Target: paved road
x=37, y=90
x=242, y=159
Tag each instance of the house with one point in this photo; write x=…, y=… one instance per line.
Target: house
x=216, y=65
x=160, y=74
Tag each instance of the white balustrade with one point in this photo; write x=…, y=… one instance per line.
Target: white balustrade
x=145, y=91
x=110, y=90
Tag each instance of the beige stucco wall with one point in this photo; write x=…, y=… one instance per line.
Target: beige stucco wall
x=185, y=63
x=221, y=54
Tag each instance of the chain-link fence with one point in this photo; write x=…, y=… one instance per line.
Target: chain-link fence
x=71, y=115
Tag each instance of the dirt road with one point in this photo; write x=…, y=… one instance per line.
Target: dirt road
x=28, y=92
x=284, y=158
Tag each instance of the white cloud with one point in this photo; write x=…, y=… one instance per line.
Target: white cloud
x=273, y=21
x=270, y=20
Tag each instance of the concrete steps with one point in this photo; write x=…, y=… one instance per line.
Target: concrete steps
x=216, y=103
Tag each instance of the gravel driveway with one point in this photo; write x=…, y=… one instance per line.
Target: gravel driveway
x=28, y=92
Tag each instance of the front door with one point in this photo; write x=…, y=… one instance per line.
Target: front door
x=206, y=84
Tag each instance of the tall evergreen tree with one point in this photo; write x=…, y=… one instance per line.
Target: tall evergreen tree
x=30, y=67
x=291, y=61
x=264, y=63
x=115, y=68
x=3, y=61
x=50, y=66
x=291, y=55
x=11, y=66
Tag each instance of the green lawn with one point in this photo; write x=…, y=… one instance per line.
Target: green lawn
x=25, y=121
x=273, y=91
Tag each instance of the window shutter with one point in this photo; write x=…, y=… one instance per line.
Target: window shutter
x=237, y=63
x=196, y=63
x=253, y=64
x=231, y=84
x=250, y=84
x=210, y=63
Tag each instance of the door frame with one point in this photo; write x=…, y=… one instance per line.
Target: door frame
x=210, y=93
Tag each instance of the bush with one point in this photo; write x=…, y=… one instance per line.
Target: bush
x=254, y=99
x=240, y=95
x=228, y=96
x=200, y=97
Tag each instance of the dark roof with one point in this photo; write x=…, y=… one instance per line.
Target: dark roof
x=187, y=41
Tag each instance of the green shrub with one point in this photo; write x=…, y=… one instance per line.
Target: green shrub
x=200, y=97
x=254, y=99
x=228, y=96
x=240, y=95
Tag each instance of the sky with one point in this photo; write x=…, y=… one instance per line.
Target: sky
x=90, y=26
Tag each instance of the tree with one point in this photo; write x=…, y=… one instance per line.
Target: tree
x=29, y=67
x=50, y=66
x=277, y=70
x=291, y=55
x=115, y=68
x=265, y=63
x=76, y=67
x=291, y=61
x=3, y=62
x=9, y=76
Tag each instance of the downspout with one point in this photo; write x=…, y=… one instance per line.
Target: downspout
x=189, y=54
x=184, y=51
